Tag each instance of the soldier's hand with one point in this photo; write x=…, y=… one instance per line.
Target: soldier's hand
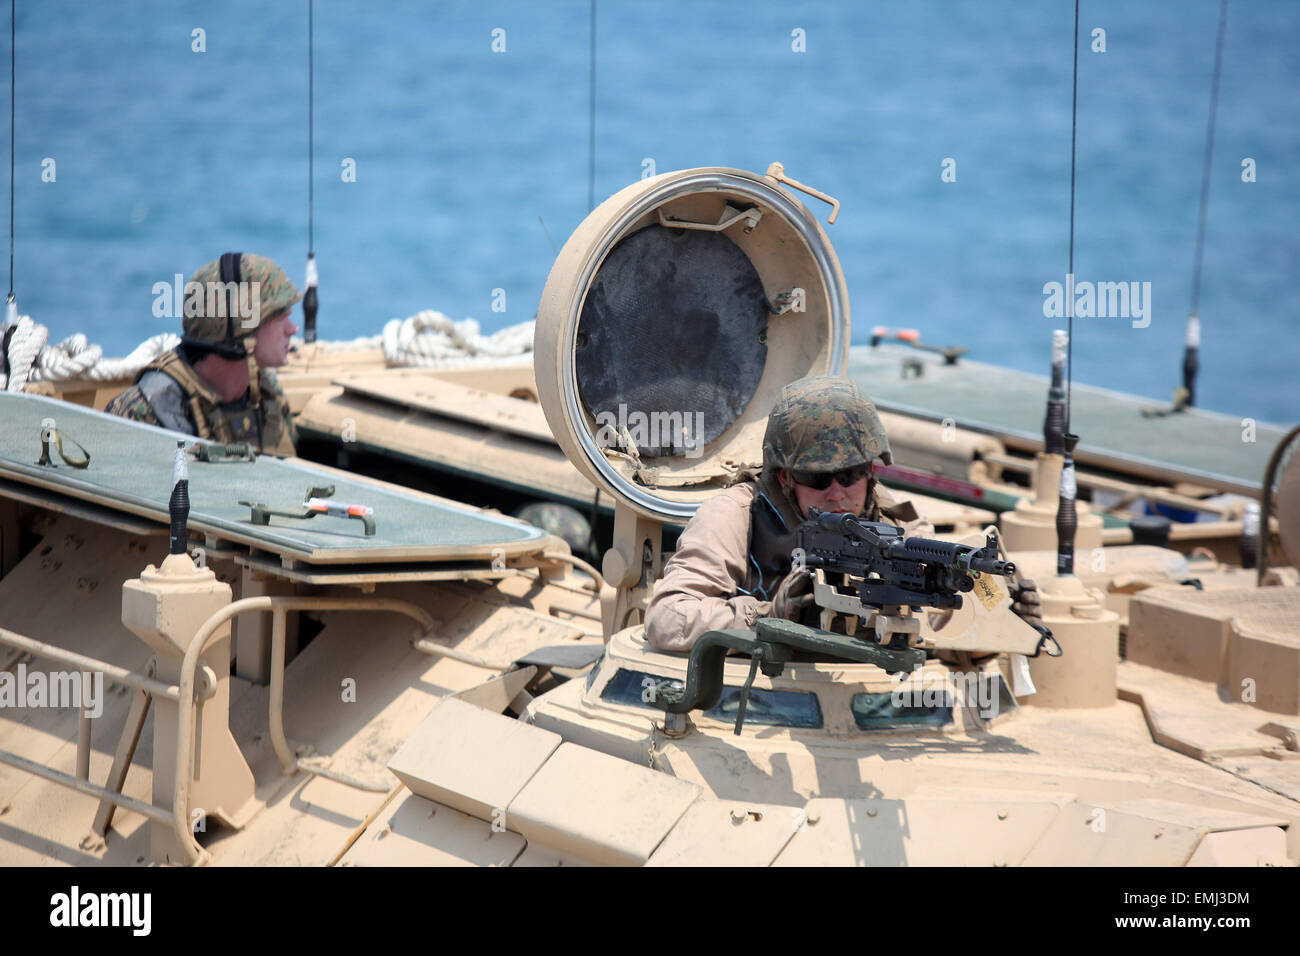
x=793, y=595
x=1028, y=602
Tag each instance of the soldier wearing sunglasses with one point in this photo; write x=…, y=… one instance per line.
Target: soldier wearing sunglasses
x=733, y=560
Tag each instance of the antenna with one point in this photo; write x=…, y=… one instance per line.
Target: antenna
x=309, y=303
x=547, y=233
x=11, y=304
x=1192, y=340
x=591, y=118
x=1067, y=519
x=178, y=506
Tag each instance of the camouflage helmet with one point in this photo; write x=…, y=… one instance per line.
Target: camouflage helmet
x=823, y=423
x=563, y=521
x=264, y=292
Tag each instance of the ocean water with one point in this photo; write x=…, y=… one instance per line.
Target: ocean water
x=164, y=157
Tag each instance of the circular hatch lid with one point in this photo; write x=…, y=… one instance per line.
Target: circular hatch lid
x=671, y=320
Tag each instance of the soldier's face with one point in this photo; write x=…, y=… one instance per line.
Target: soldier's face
x=273, y=336
x=836, y=497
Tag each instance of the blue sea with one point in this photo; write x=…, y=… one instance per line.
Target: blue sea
x=165, y=156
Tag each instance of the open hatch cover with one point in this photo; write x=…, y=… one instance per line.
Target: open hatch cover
x=671, y=320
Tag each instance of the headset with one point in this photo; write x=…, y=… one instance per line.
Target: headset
x=231, y=347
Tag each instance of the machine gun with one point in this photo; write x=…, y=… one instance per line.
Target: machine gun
x=894, y=577
x=893, y=574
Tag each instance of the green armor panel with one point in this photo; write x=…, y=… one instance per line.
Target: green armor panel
x=131, y=470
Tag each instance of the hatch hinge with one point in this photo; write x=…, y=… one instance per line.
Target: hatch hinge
x=730, y=216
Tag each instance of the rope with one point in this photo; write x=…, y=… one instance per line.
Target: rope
x=33, y=359
x=24, y=346
x=430, y=338
x=130, y=366
x=427, y=338
x=71, y=358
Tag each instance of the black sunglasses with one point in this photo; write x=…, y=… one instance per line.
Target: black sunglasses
x=820, y=481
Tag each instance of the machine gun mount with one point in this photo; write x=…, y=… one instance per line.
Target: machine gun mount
x=770, y=647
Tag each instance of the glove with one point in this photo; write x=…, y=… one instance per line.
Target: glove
x=1028, y=602
x=751, y=610
x=793, y=594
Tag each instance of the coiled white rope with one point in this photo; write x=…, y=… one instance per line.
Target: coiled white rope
x=430, y=338
x=427, y=338
x=129, y=366
x=24, y=346
x=33, y=359
x=71, y=358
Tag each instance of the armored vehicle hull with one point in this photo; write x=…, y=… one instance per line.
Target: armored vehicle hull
x=458, y=688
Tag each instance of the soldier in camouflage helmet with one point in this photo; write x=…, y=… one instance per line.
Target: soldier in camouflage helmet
x=733, y=561
x=218, y=383
x=823, y=425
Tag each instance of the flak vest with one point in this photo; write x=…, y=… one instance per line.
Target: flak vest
x=269, y=428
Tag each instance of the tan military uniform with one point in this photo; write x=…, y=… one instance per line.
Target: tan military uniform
x=170, y=393
x=704, y=582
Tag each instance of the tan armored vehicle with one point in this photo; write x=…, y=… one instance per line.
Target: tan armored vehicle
x=439, y=685
x=989, y=753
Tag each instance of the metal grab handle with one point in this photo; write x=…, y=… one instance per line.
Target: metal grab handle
x=750, y=216
x=777, y=171
x=185, y=718
x=214, y=453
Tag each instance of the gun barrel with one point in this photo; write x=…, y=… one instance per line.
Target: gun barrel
x=993, y=566
x=949, y=553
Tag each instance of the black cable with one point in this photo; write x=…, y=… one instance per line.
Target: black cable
x=1074, y=128
x=310, y=302
x=12, y=58
x=1209, y=152
x=591, y=119
x=1067, y=521
x=311, y=131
